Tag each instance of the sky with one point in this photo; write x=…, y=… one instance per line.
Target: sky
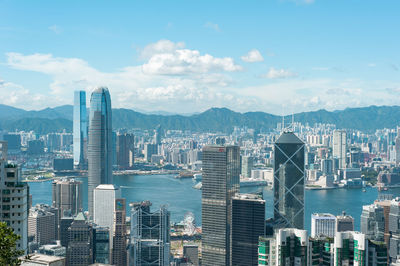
x=276, y=56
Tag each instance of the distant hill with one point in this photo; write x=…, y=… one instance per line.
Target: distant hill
x=213, y=120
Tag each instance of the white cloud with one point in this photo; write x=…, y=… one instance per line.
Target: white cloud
x=199, y=85
x=56, y=29
x=212, y=26
x=253, y=56
x=160, y=47
x=168, y=58
x=279, y=74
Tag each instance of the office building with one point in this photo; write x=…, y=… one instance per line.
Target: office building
x=327, y=166
x=220, y=181
x=373, y=222
x=385, y=203
x=150, y=149
x=394, y=229
x=41, y=225
x=80, y=243
x=247, y=166
x=150, y=235
x=350, y=248
x=340, y=147
x=63, y=164
x=15, y=198
x=125, y=150
x=248, y=224
x=344, y=223
x=323, y=224
x=289, y=178
x=67, y=196
x=321, y=250
x=191, y=254
x=104, y=205
x=119, y=254
x=13, y=141
x=101, y=245
x=35, y=147
x=65, y=223
x=288, y=246
x=80, y=130
x=100, y=142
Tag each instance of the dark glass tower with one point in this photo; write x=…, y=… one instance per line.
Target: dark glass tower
x=100, y=142
x=80, y=130
x=248, y=224
x=221, y=170
x=289, y=181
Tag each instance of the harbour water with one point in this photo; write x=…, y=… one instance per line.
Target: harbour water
x=181, y=198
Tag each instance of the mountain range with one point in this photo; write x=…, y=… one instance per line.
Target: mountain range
x=213, y=120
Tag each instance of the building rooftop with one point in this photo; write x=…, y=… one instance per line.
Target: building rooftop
x=40, y=258
x=289, y=138
x=248, y=196
x=323, y=215
x=107, y=187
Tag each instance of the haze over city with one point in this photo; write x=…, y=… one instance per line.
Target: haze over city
x=185, y=57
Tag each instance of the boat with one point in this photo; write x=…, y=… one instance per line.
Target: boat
x=253, y=183
x=197, y=177
x=184, y=175
x=364, y=190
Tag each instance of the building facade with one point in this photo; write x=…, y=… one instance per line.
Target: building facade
x=323, y=224
x=14, y=194
x=125, y=150
x=340, y=147
x=100, y=146
x=119, y=247
x=104, y=205
x=150, y=235
x=248, y=224
x=289, y=177
x=220, y=181
x=67, y=196
x=80, y=130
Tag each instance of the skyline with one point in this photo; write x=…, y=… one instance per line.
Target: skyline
x=317, y=54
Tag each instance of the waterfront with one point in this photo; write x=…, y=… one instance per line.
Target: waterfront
x=180, y=197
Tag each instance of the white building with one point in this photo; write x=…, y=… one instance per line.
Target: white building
x=323, y=224
x=104, y=197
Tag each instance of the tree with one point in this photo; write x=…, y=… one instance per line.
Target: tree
x=8, y=246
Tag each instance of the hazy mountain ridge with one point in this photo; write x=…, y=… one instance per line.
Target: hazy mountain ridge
x=213, y=120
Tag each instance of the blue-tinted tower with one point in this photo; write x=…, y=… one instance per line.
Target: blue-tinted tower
x=80, y=130
x=100, y=155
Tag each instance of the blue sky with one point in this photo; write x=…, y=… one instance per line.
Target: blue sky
x=188, y=56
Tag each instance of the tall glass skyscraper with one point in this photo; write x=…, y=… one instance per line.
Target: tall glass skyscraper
x=80, y=129
x=221, y=170
x=100, y=142
x=289, y=178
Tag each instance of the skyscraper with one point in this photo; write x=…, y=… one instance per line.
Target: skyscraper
x=104, y=197
x=289, y=178
x=80, y=244
x=247, y=166
x=373, y=222
x=67, y=196
x=150, y=239
x=248, y=224
x=340, y=147
x=119, y=254
x=100, y=142
x=80, y=129
x=221, y=170
x=125, y=150
x=41, y=225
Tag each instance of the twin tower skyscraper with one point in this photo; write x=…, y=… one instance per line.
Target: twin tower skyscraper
x=93, y=138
